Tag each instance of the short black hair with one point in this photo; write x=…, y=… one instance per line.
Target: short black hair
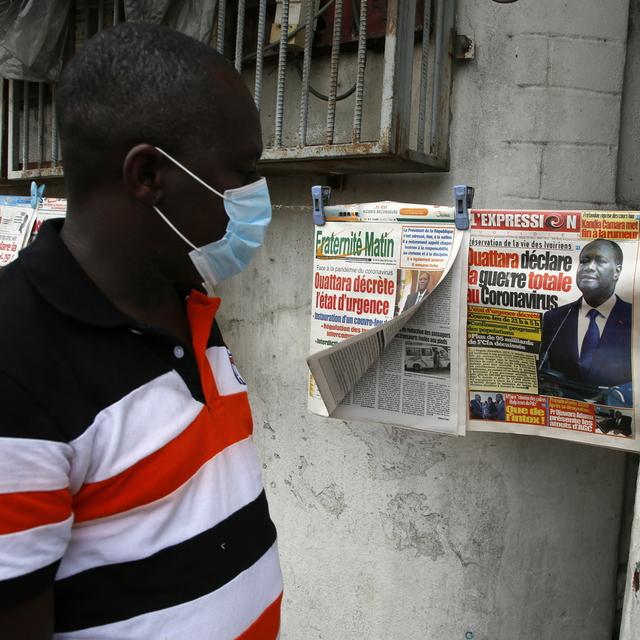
x=137, y=83
x=614, y=246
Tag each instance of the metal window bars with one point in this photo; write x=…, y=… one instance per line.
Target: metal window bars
x=32, y=142
x=395, y=116
x=343, y=86
x=32, y=131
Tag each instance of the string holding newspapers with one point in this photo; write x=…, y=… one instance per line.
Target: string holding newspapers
x=524, y=324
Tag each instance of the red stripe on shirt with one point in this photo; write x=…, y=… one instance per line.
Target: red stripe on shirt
x=25, y=510
x=215, y=428
x=201, y=311
x=267, y=625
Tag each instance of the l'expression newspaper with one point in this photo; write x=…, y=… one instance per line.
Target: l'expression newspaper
x=552, y=322
x=386, y=299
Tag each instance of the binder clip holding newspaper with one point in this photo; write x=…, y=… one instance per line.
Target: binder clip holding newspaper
x=320, y=197
x=37, y=193
x=376, y=267
x=463, y=198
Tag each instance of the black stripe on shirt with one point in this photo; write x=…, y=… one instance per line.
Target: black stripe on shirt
x=175, y=575
x=15, y=590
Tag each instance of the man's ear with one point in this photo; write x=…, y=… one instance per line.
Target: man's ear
x=143, y=174
x=616, y=273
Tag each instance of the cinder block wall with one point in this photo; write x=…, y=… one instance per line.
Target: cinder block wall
x=387, y=533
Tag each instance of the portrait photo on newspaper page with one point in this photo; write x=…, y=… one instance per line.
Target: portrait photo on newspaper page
x=552, y=325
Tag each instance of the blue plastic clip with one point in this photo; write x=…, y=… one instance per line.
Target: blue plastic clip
x=36, y=194
x=319, y=198
x=463, y=197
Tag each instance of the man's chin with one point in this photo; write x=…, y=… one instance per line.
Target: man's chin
x=589, y=286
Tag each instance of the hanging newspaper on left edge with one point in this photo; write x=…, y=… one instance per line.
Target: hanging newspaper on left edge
x=16, y=216
x=386, y=303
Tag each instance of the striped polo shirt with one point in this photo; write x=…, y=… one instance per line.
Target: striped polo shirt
x=128, y=476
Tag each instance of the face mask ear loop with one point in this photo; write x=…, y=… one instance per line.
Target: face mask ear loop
x=193, y=175
x=193, y=246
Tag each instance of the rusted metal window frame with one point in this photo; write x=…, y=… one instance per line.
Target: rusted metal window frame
x=20, y=164
x=394, y=150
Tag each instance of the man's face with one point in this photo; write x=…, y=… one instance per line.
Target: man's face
x=477, y=398
x=423, y=282
x=227, y=159
x=598, y=272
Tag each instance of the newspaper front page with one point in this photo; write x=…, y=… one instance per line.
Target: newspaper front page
x=551, y=316
x=20, y=223
x=49, y=209
x=386, y=328
x=16, y=216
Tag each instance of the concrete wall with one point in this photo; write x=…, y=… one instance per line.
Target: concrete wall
x=628, y=187
x=387, y=533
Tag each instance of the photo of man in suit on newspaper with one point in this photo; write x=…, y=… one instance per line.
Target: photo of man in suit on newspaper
x=587, y=343
x=424, y=279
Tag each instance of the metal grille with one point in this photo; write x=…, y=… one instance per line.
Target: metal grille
x=335, y=103
x=32, y=143
x=343, y=86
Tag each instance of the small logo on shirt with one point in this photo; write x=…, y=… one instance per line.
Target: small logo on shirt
x=236, y=373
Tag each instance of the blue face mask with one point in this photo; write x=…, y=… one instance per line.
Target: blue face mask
x=249, y=211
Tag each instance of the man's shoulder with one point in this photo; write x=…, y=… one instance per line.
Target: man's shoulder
x=19, y=301
x=25, y=317
x=622, y=307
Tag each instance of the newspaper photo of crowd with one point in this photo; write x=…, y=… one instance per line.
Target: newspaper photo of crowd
x=484, y=406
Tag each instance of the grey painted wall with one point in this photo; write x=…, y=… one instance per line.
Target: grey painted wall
x=629, y=152
x=387, y=533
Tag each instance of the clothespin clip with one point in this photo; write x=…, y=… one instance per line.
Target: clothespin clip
x=36, y=194
x=319, y=199
x=463, y=198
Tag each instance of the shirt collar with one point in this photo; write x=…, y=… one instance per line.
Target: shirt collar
x=59, y=279
x=604, y=309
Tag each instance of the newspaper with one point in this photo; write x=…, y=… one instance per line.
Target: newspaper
x=16, y=215
x=386, y=330
x=552, y=316
x=549, y=303
x=20, y=223
x=49, y=209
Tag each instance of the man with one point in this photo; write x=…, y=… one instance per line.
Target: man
x=618, y=423
x=475, y=407
x=131, y=503
x=500, y=407
x=589, y=340
x=421, y=293
x=489, y=410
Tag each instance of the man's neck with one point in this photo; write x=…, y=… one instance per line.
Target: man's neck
x=129, y=278
x=594, y=303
